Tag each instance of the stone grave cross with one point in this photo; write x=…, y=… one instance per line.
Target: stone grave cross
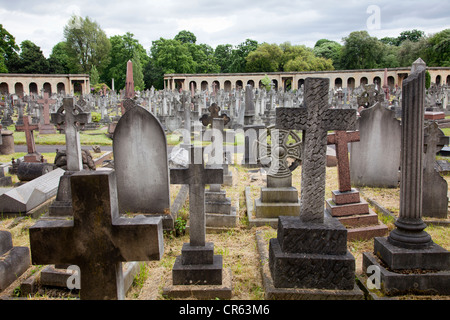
x=197, y=176
x=315, y=119
x=72, y=116
x=98, y=239
x=47, y=127
x=28, y=128
x=214, y=114
x=341, y=139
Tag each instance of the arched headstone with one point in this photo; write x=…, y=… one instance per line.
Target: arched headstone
x=141, y=163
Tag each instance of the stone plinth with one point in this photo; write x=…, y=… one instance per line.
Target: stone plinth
x=311, y=255
x=14, y=261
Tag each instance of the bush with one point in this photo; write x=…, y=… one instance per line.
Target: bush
x=96, y=117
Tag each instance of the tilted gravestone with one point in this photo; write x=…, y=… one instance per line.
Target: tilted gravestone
x=98, y=239
x=435, y=188
x=197, y=264
x=375, y=159
x=310, y=251
x=408, y=246
x=141, y=164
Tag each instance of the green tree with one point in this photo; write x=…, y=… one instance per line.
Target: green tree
x=438, y=49
x=87, y=45
x=125, y=48
x=172, y=56
x=32, y=59
x=329, y=49
x=266, y=58
x=3, y=68
x=361, y=51
x=59, y=60
x=411, y=35
x=94, y=76
x=240, y=53
x=409, y=51
x=9, y=50
x=185, y=36
x=223, y=54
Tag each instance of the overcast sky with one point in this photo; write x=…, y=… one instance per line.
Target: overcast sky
x=220, y=22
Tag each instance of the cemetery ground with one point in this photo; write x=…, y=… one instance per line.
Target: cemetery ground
x=238, y=246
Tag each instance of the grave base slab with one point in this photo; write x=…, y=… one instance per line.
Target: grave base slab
x=198, y=274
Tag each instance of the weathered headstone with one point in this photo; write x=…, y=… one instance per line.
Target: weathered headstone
x=46, y=127
x=14, y=261
x=310, y=251
x=197, y=264
x=28, y=128
x=141, y=164
x=435, y=188
x=375, y=159
x=408, y=246
x=346, y=203
x=98, y=239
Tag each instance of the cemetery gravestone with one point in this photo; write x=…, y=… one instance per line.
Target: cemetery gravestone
x=141, y=164
x=14, y=261
x=98, y=237
x=310, y=251
x=46, y=127
x=346, y=204
x=375, y=159
x=408, y=246
x=28, y=128
x=197, y=264
x=435, y=188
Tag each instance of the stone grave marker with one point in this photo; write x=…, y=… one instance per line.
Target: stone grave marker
x=310, y=251
x=28, y=196
x=141, y=164
x=435, y=188
x=46, y=127
x=279, y=197
x=98, y=239
x=14, y=261
x=408, y=246
x=346, y=203
x=28, y=128
x=72, y=117
x=197, y=264
x=375, y=159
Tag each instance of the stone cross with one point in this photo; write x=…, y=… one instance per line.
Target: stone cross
x=197, y=176
x=214, y=113
x=72, y=116
x=98, y=239
x=315, y=119
x=47, y=127
x=28, y=128
x=341, y=140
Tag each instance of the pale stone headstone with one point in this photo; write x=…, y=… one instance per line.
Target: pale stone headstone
x=375, y=159
x=141, y=164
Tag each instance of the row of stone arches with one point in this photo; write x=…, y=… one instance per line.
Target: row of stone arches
x=19, y=88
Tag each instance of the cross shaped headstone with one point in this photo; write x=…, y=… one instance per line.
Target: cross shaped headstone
x=98, y=239
x=315, y=119
x=214, y=113
x=28, y=128
x=341, y=140
x=197, y=176
x=47, y=127
x=72, y=116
